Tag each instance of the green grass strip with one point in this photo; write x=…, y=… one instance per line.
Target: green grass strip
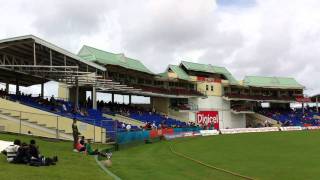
x=207, y=165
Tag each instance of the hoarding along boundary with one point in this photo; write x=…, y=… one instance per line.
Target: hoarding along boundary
x=147, y=135
x=173, y=133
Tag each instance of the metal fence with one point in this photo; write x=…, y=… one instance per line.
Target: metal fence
x=47, y=125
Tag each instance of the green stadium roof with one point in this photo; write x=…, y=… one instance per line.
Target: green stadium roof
x=106, y=58
x=208, y=68
x=272, y=82
x=181, y=74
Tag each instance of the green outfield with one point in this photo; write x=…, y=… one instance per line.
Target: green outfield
x=276, y=155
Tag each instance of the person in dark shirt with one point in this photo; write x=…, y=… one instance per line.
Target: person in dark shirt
x=23, y=156
x=82, y=141
x=34, y=149
x=75, y=133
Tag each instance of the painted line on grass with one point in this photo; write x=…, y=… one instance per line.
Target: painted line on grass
x=207, y=165
x=106, y=170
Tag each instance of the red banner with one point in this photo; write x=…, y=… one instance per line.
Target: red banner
x=208, y=118
x=166, y=131
x=303, y=99
x=205, y=79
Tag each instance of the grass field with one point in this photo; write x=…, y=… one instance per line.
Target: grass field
x=277, y=155
x=71, y=165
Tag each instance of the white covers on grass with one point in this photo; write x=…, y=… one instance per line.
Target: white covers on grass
x=4, y=144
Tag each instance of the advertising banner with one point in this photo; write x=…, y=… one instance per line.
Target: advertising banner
x=208, y=118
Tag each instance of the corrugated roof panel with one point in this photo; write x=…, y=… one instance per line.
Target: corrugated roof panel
x=105, y=58
x=208, y=68
x=272, y=82
x=180, y=72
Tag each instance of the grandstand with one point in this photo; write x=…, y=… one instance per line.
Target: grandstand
x=184, y=95
x=187, y=99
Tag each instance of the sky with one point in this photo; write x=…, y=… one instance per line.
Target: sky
x=248, y=37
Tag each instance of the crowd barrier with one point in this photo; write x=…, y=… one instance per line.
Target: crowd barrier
x=248, y=130
x=134, y=136
x=209, y=132
x=291, y=128
x=312, y=128
x=173, y=133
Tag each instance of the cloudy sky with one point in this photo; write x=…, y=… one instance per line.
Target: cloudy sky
x=249, y=37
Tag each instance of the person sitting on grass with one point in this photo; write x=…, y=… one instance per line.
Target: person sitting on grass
x=35, y=159
x=11, y=151
x=34, y=149
x=90, y=151
x=81, y=145
x=23, y=156
x=82, y=141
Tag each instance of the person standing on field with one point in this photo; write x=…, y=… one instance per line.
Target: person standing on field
x=75, y=133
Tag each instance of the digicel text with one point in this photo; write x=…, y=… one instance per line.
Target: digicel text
x=207, y=119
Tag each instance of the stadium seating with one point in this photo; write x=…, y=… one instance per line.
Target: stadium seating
x=95, y=117
x=289, y=117
x=148, y=117
x=92, y=116
x=172, y=91
x=258, y=97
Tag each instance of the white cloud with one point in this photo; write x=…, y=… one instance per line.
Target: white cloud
x=269, y=37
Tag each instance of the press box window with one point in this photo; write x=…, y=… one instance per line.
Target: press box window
x=207, y=87
x=211, y=88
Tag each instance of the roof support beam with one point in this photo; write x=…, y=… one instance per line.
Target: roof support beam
x=50, y=59
x=94, y=98
x=34, y=54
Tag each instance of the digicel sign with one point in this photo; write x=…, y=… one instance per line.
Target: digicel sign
x=208, y=118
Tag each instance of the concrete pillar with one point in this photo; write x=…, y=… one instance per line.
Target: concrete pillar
x=42, y=90
x=112, y=97
x=17, y=87
x=129, y=99
x=76, y=103
x=94, y=98
x=7, y=88
x=317, y=104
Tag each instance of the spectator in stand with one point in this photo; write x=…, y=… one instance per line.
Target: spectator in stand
x=128, y=127
x=148, y=126
x=123, y=125
x=153, y=126
x=11, y=151
x=52, y=100
x=64, y=107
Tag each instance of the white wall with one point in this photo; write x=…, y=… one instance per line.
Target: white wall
x=227, y=119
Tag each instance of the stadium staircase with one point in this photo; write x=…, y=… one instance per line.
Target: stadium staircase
x=124, y=119
x=32, y=126
x=32, y=121
x=44, y=122
x=256, y=118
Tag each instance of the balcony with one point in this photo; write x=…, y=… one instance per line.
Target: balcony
x=230, y=96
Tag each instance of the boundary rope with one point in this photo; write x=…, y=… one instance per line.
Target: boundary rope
x=207, y=165
x=106, y=170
